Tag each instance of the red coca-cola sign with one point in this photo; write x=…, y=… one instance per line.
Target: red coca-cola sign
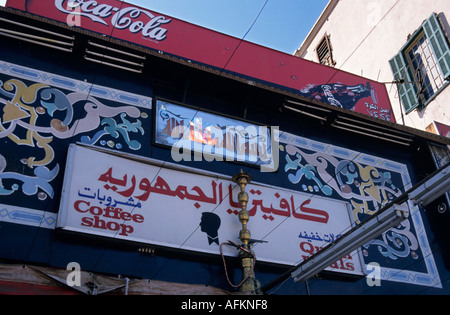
x=137, y=25
x=133, y=19
x=157, y=31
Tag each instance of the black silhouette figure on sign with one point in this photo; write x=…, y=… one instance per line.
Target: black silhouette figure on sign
x=210, y=224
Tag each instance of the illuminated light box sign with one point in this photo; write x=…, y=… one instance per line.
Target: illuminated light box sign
x=213, y=137
x=120, y=198
x=165, y=34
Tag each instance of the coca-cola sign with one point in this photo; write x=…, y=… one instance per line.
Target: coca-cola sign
x=136, y=20
x=131, y=23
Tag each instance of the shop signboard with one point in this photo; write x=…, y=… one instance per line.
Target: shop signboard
x=125, y=199
x=213, y=137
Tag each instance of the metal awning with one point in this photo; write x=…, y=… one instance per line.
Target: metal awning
x=392, y=214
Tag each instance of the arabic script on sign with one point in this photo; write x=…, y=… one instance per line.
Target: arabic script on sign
x=136, y=192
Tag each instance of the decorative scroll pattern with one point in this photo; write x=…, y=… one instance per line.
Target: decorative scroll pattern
x=368, y=183
x=40, y=113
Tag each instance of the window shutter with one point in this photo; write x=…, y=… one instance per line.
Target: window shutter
x=439, y=43
x=407, y=91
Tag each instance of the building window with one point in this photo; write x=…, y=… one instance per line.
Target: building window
x=325, y=52
x=425, y=68
x=421, y=66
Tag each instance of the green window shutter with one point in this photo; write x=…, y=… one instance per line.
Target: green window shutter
x=439, y=43
x=406, y=90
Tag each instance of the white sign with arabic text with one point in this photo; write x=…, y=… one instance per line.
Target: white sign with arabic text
x=125, y=199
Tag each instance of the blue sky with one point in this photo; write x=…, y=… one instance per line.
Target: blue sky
x=282, y=25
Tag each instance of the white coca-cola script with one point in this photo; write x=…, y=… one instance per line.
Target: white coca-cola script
x=132, y=18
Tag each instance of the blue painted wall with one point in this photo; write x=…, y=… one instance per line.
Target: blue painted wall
x=44, y=107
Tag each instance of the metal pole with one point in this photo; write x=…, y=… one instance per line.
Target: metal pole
x=250, y=284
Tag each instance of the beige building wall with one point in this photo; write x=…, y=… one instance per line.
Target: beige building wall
x=366, y=34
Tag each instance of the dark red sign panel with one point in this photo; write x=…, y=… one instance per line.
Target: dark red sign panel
x=444, y=130
x=163, y=33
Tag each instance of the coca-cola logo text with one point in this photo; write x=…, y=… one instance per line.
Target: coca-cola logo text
x=136, y=20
